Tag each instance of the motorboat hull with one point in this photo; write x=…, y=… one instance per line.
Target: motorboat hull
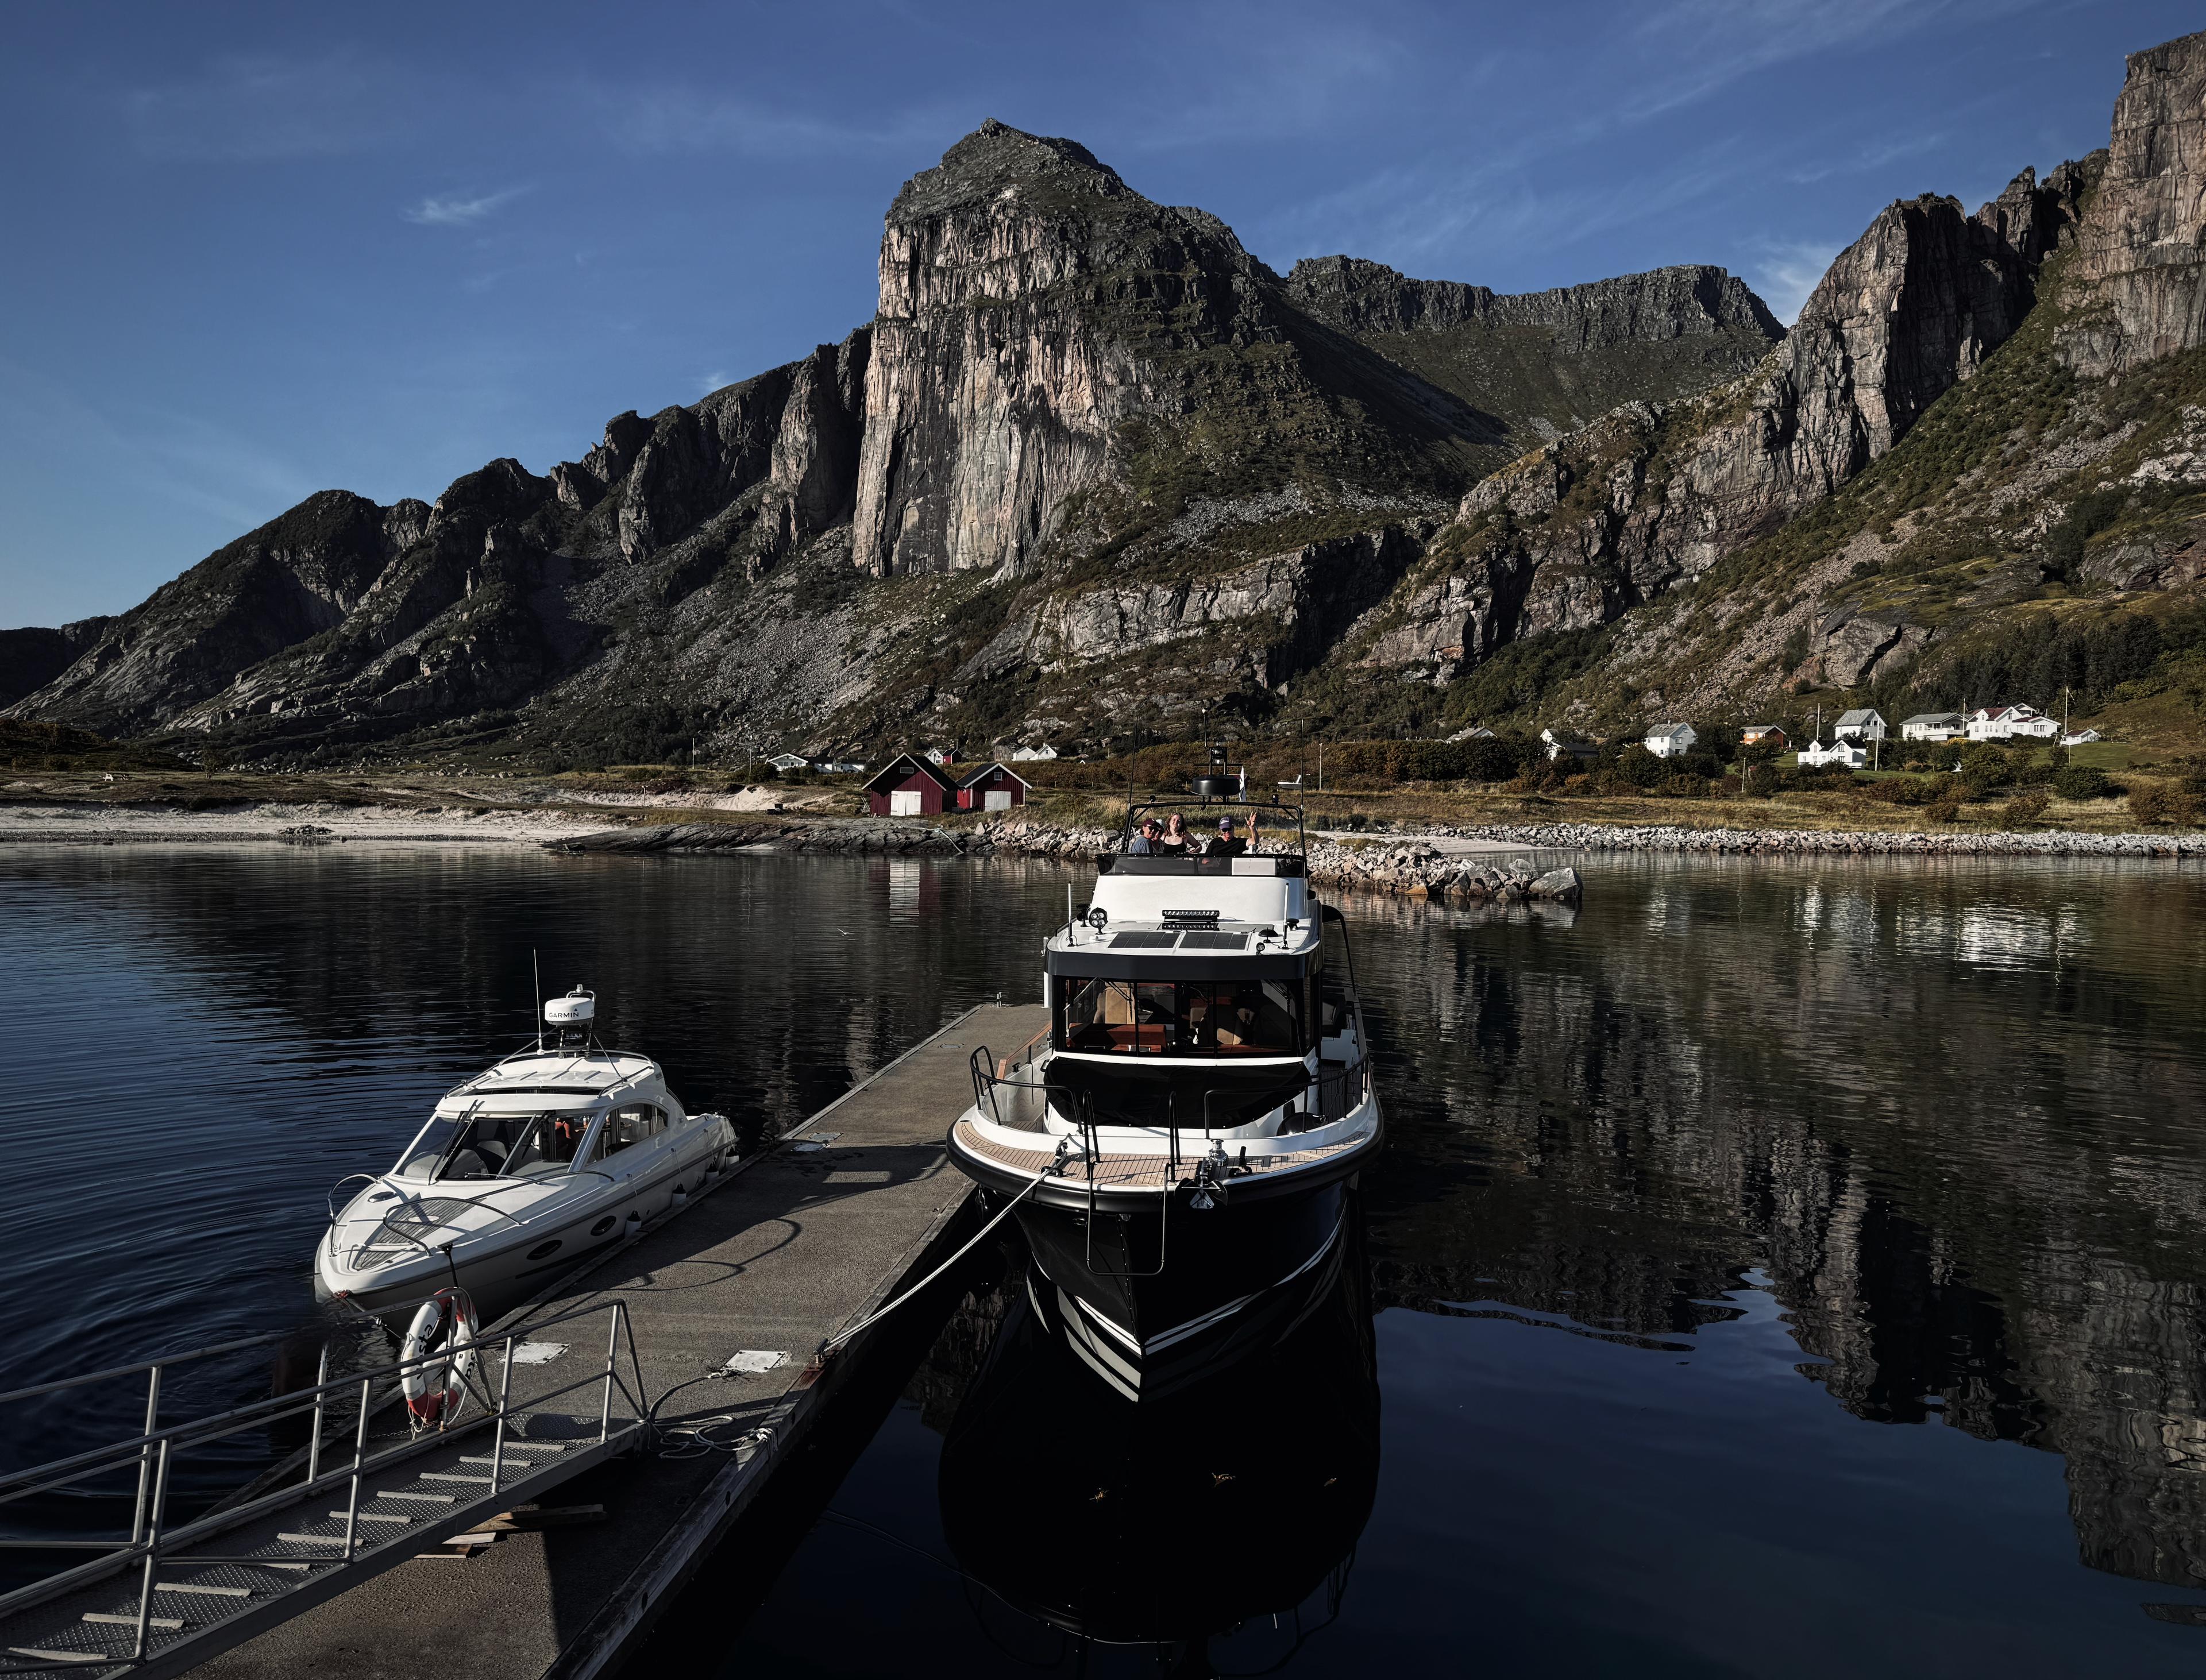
x=502, y=1268
x=1153, y=1298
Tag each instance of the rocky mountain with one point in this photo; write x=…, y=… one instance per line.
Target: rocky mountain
x=1551, y=361
x=1095, y=469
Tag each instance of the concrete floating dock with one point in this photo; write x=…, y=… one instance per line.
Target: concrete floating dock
x=804, y=1239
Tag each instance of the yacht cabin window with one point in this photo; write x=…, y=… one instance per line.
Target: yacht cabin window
x=627, y=1127
x=455, y=1148
x=1178, y=1017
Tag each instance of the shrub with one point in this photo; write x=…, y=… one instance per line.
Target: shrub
x=1985, y=768
x=2158, y=805
x=1638, y=768
x=1906, y=789
x=2080, y=781
x=2027, y=807
x=1947, y=808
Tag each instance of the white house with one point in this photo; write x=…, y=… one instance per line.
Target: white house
x=1562, y=742
x=939, y=756
x=1671, y=741
x=1846, y=752
x=1864, y=724
x=1932, y=726
x=2006, y=722
x=785, y=762
x=2081, y=738
x=1033, y=754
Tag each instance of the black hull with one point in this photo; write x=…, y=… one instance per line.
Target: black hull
x=1152, y=1300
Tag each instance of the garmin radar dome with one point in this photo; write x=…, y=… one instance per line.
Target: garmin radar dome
x=572, y=1016
x=522, y=1173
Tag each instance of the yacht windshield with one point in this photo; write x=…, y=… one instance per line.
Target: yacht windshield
x=1162, y=1094
x=495, y=1146
x=1179, y=1017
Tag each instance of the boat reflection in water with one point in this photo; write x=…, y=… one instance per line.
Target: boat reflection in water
x=1217, y=1524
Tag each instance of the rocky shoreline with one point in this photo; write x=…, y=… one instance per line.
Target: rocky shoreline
x=1408, y=869
x=1410, y=866
x=1765, y=842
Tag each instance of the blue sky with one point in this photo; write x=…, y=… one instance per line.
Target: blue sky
x=258, y=252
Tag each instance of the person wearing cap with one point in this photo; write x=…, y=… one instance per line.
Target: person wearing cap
x=1228, y=844
x=1145, y=842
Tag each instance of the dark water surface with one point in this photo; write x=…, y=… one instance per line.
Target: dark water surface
x=1778, y=1268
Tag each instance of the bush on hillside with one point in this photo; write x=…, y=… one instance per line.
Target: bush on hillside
x=2081, y=782
x=2157, y=805
x=1907, y=789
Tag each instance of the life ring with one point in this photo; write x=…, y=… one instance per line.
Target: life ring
x=437, y=1388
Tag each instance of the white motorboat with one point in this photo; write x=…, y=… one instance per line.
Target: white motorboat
x=521, y=1172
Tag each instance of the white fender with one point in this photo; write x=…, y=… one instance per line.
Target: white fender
x=436, y=1389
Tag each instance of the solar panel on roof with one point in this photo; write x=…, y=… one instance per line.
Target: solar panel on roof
x=1139, y=941
x=1213, y=942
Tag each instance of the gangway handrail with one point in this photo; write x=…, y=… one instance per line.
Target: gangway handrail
x=145, y=1365
x=152, y=1451
x=254, y=1412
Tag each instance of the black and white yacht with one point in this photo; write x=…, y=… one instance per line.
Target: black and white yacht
x=1182, y=1139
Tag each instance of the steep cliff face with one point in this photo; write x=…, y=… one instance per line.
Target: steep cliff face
x=1032, y=305
x=31, y=657
x=2139, y=271
x=1580, y=532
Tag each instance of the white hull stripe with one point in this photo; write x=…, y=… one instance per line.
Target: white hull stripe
x=1193, y=1326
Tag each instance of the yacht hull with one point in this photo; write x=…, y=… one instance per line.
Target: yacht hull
x=1152, y=1298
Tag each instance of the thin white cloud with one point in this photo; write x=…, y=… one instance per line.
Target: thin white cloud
x=265, y=107
x=709, y=382
x=652, y=121
x=1864, y=159
x=1407, y=216
x=1714, y=43
x=184, y=459
x=458, y=211
x=1786, y=270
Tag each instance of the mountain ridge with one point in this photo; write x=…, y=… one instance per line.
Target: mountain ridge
x=1093, y=467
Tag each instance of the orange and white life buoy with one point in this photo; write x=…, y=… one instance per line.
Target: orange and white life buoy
x=445, y=1325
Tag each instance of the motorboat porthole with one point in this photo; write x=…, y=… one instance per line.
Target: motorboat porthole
x=604, y=1225
x=385, y=1195
x=544, y=1250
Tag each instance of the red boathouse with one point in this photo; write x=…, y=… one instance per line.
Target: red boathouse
x=910, y=787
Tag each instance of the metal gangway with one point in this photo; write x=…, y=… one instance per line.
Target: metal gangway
x=372, y=1489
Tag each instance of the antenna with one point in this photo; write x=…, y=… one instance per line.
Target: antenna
x=536, y=988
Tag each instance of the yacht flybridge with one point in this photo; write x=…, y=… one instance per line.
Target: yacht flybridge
x=1183, y=1140
x=521, y=1171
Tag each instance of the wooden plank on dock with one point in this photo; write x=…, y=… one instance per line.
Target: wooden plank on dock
x=776, y=1258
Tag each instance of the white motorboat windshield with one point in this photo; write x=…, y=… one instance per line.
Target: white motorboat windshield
x=473, y=1146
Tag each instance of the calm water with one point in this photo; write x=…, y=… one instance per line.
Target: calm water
x=1775, y=1268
